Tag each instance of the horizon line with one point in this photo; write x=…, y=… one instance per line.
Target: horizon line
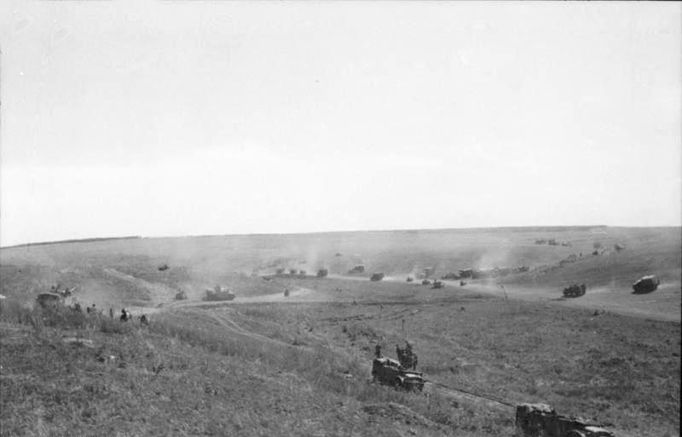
x=257, y=234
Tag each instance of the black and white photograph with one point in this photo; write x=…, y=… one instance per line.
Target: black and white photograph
x=316, y=218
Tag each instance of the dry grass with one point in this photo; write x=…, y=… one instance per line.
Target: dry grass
x=303, y=368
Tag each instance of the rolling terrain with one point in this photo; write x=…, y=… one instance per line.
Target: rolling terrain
x=268, y=364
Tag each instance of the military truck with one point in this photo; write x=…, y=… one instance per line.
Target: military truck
x=388, y=371
x=645, y=284
x=540, y=420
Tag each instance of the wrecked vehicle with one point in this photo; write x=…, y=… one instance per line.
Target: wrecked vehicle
x=540, y=420
x=388, y=371
x=646, y=284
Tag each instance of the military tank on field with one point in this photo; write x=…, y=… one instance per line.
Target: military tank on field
x=645, y=284
x=376, y=277
x=575, y=290
x=535, y=420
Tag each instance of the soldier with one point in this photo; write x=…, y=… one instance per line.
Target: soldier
x=143, y=319
x=111, y=313
x=124, y=315
x=377, y=350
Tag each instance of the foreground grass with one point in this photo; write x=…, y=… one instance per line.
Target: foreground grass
x=188, y=376
x=302, y=369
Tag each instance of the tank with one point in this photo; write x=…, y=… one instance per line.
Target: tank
x=535, y=420
x=575, y=290
x=376, y=277
x=50, y=299
x=646, y=284
x=322, y=273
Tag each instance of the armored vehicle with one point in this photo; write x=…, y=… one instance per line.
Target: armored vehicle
x=437, y=284
x=410, y=279
x=426, y=282
x=357, y=269
x=47, y=299
x=322, y=273
x=388, y=371
x=646, y=284
x=575, y=290
x=540, y=420
x=180, y=295
x=377, y=277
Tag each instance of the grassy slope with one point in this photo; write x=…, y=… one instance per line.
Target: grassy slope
x=257, y=368
x=302, y=369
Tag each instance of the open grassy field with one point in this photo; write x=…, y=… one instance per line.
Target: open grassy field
x=264, y=364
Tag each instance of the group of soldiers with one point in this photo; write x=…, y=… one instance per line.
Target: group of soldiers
x=124, y=317
x=407, y=358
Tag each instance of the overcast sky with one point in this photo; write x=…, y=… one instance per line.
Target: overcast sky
x=183, y=118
